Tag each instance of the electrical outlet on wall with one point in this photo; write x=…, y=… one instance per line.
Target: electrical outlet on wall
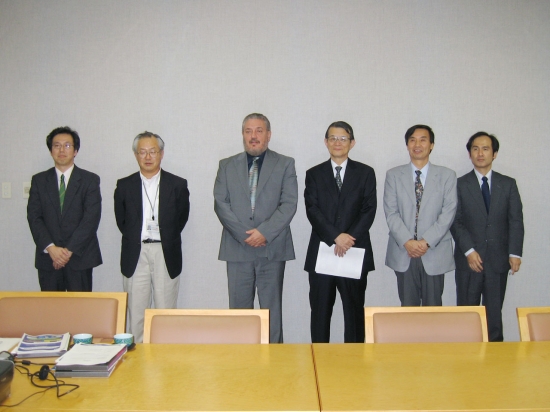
x=26, y=189
x=6, y=190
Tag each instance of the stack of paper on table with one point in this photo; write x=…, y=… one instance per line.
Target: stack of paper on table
x=89, y=361
x=7, y=344
x=42, y=346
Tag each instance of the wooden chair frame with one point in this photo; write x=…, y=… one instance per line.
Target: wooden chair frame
x=122, y=298
x=371, y=310
x=524, y=333
x=263, y=314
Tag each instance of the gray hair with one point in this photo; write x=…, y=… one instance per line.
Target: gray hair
x=146, y=134
x=258, y=116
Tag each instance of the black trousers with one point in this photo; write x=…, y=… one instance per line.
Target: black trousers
x=322, y=295
x=487, y=288
x=65, y=279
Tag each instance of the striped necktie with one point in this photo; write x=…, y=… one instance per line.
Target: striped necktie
x=62, y=192
x=253, y=182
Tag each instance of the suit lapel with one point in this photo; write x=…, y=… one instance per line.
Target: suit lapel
x=164, y=195
x=241, y=171
x=53, y=191
x=269, y=163
x=327, y=180
x=350, y=180
x=496, y=189
x=136, y=195
x=72, y=188
x=431, y=182
x=407, y=183
x=475, y=191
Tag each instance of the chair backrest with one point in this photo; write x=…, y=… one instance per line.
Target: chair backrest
x=206, y=326
x=534, y=323
x=103, y=314
x=389, y=324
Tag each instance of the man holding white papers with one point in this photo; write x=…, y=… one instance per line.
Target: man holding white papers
x=340, y=199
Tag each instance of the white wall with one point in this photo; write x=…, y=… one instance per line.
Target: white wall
x=191, y=70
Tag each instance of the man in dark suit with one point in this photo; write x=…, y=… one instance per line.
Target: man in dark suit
x=151, y=210
x=63, y=212
x=488, y=232
x=340, y=199
x=255, y=198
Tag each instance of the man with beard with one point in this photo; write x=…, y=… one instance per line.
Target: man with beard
x=255, y=198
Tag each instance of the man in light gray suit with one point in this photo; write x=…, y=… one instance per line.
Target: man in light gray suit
x=420, y=204
x=488, y=231
x=255, y=198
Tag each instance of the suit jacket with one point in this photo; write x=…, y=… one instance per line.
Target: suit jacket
x=332, y=212
x=276, y=202
x=172, y=217
x=436, y=215
x=75, y=228
x=494, y=235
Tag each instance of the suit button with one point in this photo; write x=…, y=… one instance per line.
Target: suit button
x=250, y=218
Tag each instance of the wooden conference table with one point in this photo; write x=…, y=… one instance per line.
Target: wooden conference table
x=434, y=377
x=156, y=377
x=351, y=377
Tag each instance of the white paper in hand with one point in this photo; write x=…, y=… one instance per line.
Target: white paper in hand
x=348, y=266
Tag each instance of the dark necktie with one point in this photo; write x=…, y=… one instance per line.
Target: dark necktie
x=338, y=177
x=419, y=191
x=62, y=192
x=253, y=182
x=486, y=193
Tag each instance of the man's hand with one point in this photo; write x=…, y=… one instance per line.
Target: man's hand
x=256, y=239
x=343, y=243
x=515, y=263
x=475, y=262
x=60, y=255
x=416, y=248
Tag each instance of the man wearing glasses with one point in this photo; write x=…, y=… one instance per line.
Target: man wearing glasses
x=340, y=199
x=151, y=210
x=63, y=212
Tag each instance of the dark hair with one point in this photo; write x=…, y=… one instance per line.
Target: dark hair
x=412, y=129
x=494, y=141
x=342, y=125
x=63, y=130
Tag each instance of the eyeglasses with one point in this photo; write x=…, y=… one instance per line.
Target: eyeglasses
x=144, y=153
x=334, y=139
x=65, y=146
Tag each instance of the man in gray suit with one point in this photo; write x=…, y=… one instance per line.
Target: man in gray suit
x=488, y=231
x=255, y=198
x=420, y=204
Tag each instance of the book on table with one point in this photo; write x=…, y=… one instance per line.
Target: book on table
x=89, y=360
x=42, y=346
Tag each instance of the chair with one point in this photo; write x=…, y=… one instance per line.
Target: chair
x=534, y=323
x=103, y=314
x=425, y=324
x=206, y=326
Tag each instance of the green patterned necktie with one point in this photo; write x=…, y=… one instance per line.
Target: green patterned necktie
x=62, y=192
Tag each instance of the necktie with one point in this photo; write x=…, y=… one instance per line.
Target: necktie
x=253, y=182
x=62, y=192
x=485, y=192
x=338, y=177
x=419, y=191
